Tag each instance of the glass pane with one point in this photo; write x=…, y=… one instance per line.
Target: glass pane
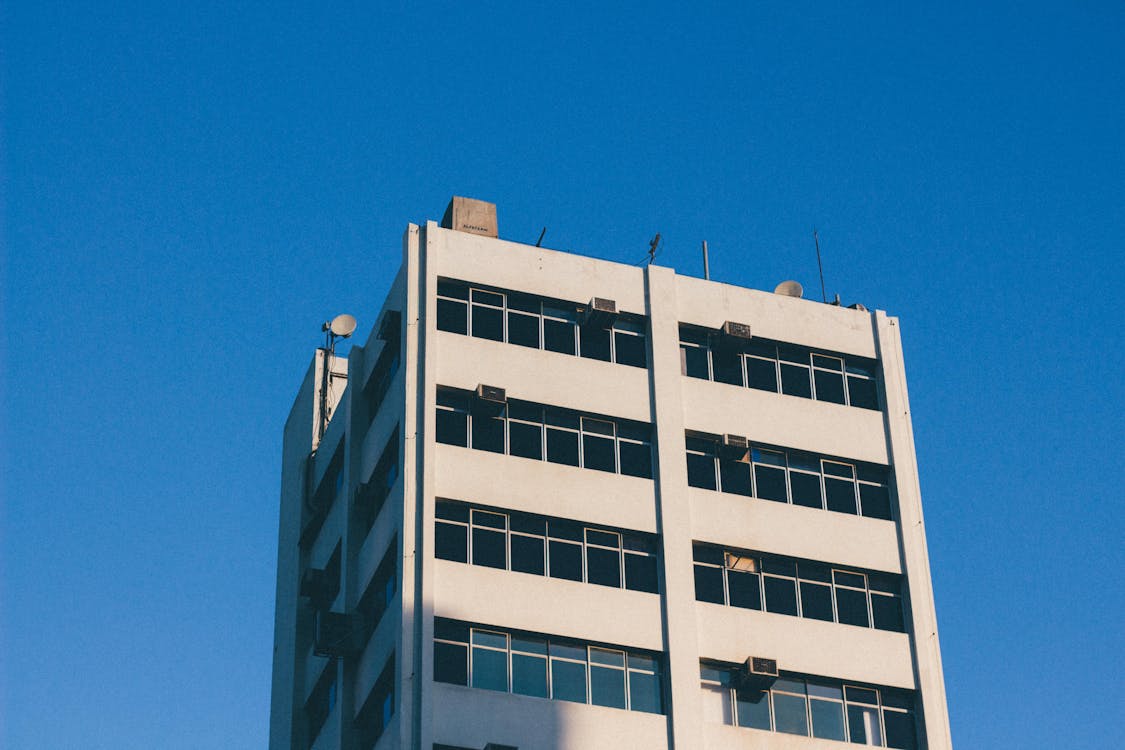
x=828, y=363
x=629, y=349
x=727, y=364
x=603, y=567
x=876, y=501
x=527, y=523
x=488, y=433
x=771, y=458
x=607, y=657
x=715, y=700
x=558, y=336
x=887, y=612
x=452, y=316
x=451, y=511
x=607, y=686
x=789, y=714
x=452, y=289
x=795, y=380
x=636, y=459
x=781, y=595
x=829, y=386
x=762, y=374
x=565, y=560
x=851, y=607
x=863, y=725
x=562, y=446
x=603, y=538
x=862, y=393
x=644, y=663
x=701, y=471
x=827, y=719
x=529, y=675
x=488, y=323
x=825, y=690
x=900, y=730
x=769, y=483
x=644, y=692
x=529, y=645
x=488, y=298
x=837, y=469
x=491, y=520
x=640, y=573
x=693, y=361
x=709, y=584
x=840, y=494
x=523, y=302
x=488, y=548
x=490, y=638
x=452, y=427
x=816, y=601
x=598, y=453
x=560, y=529
x=594, y=342
x=814, y=572
x=451, y=542
x=568, y=681
x=855, y=580
x=806, y=489
x=490, y=669
x=744, y=590
x=861, y=695
x=523, y=330
x=450, y=630
x=527, y=554
x=451, y=663
x=735, y=476
x=753, y=708
x=525, y=440
x=779, y=565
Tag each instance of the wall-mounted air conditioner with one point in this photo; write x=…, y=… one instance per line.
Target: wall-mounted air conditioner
x=600, y=313
x=736, y=447
x=758, y=672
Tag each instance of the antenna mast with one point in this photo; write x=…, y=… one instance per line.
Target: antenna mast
x=706, y=266
x=820, y=266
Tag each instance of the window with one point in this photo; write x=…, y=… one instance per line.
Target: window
x=373, y=493
x=779, y=368
x=538, y=432
x=526, y=543
x=378, y=708
x=538, y=323
x=823, y=708
x=321, y=702
x=381, y=590
x=799, y=588
x=789, y=476
x=542, y=666
x=382, y=375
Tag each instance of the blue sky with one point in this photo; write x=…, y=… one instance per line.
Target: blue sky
x=191, y=189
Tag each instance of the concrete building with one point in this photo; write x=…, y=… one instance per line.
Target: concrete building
x=559, y=502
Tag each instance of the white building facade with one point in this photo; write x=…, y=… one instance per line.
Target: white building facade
x=567, y=503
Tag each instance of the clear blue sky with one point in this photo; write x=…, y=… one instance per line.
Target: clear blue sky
x=190, y=189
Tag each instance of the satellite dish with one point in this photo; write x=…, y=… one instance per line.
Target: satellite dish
x=789, y=289
x=342, y=326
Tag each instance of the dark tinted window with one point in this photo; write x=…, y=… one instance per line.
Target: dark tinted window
x=829, y=386
x=489, y=548
x=852, y=607
x=781, y=595
x=558, y=336
x=607, y=686
x=603, y=566
x=488, y=432
x=694, y=362
x=568, y=681
x=595, y=342
x=795, y=380
x=566, y=560
x=636, y=459
x=816, y=601
x=806, y=489
x=452, y=427
x=451, y=663
x=840, y=494
x=598, y=453
x=529, y=674
x=861, y=393
x=488, y=323
x=876, y=501
x=727, y=364
x=762, y=374
x=735, y=476
x=789, y=713
x=644, y=692
x=900, y=730
x=525, y=440
x=709, y=584
x=452, y=316
x=523, y=330
x=887, y=612
x=753, y=709
x=451, y=542
x=640, y=573
x=744, y=590
x=527, y=554
x=562, y=447
x=769, y=483
x=701, y=471
x=629, y=349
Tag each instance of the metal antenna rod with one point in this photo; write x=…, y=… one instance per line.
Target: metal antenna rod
x=540, y=240
x=816, y=240
x=706, y=266
x=652, y=248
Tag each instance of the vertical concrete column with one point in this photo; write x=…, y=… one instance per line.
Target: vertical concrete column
x=407, y=652
x=912, y=536
x=673, y=511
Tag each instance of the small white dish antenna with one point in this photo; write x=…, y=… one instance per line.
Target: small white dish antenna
x=789, y=289
x=342, y=326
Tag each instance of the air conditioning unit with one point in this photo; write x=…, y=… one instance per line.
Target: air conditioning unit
x=600, y=313
x=338, y=634
x=736, y=446
x=758, y=672
x=491, y=394
x=736, y=330
x=317, y=587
